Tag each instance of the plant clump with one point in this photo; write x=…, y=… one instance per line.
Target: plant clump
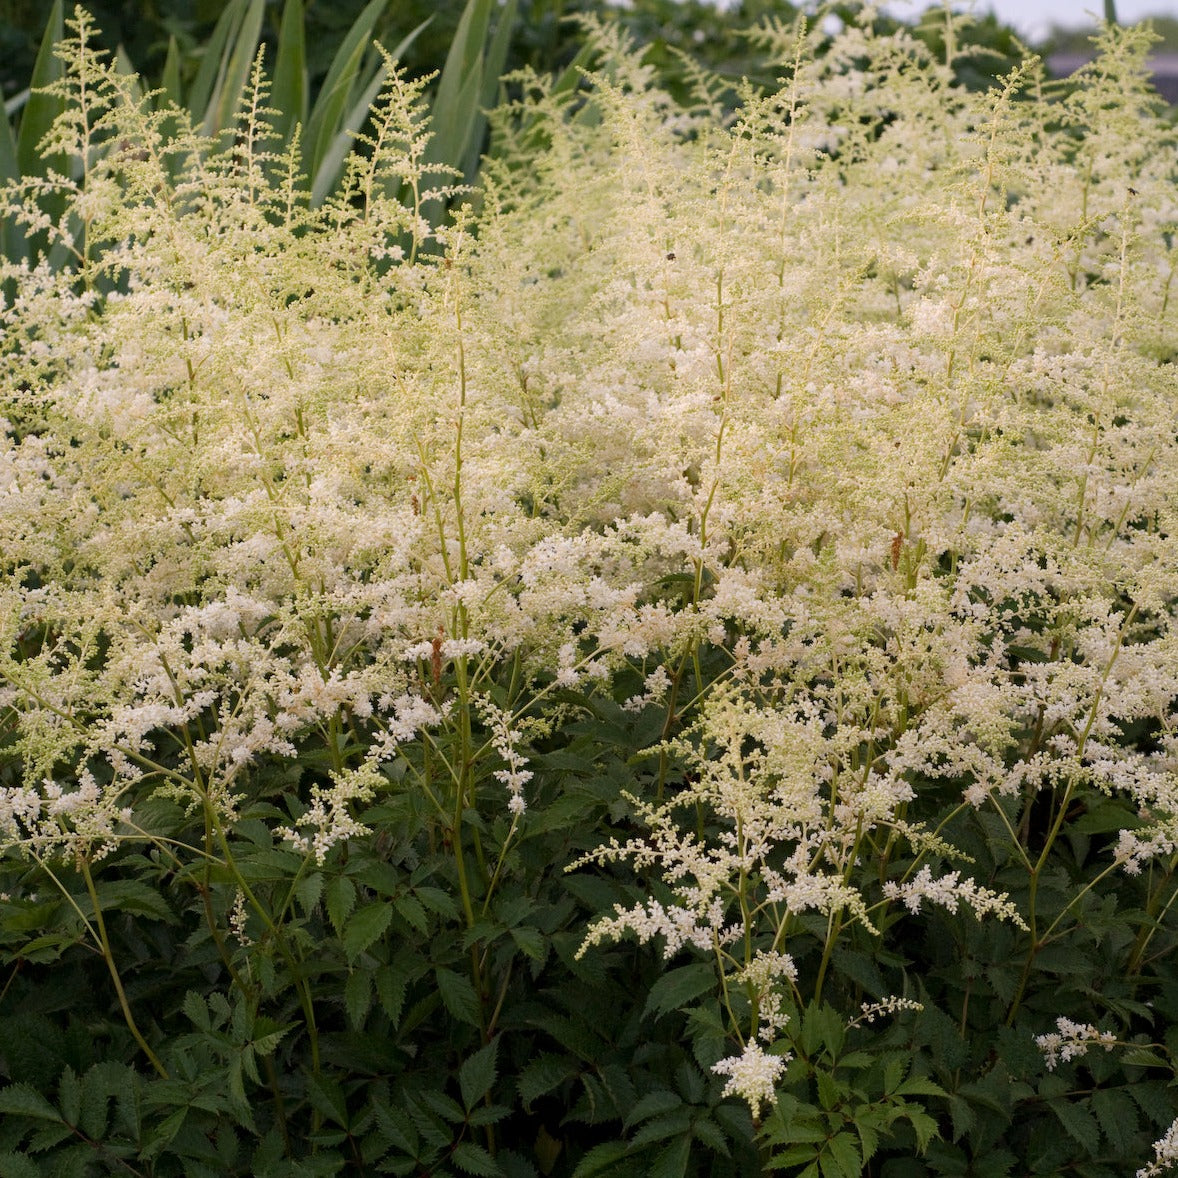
x=751, y=533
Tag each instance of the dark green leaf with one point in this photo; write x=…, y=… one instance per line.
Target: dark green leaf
x=600, y=1159
x=340, y=899
x=677, y=987
x=543, y=1074
x=458, y=996
x=477, y=1074
x=16, y=1165
x=473, y=1159
x=358, y=996
x=365, y=926
x=21, y=1100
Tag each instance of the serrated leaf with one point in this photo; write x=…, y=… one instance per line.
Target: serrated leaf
x=843, y=1153
x=162, y=1132
x=1117, y=1116
x=477, y=1074
x=358, y=996
x=17, y=1165
x=390, y=989
x=543, y=1074
x=1143, y=1057
x=652, y=1104
x=710, y=1133
x=436, y=900
x=793, y=1155
x=531, y=942
x=676, y=1123
x=830, y=1091
x=308, y=890
x=868, y=1138
x=132, y=895
x=196, y=1010
x=473, y=1159
x=672, y=1161
x=22, y=1100
x=365, y=926
x=679, y=986
x=600, y=1158
x=924, y=1126
x=458, y=996
x=396, y=1127
x=47, y=1137
x=1079, y=1124
x=340, y=899
x=69, y=1092
x=444, y=1106
x=920, y=1086
x=265, y=1044
x=488, y=1114
x=327, y=1097
x=409, y=908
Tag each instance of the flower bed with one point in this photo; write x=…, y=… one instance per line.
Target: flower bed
x=748, y=534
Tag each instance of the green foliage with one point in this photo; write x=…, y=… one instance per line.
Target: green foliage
x=669, y=671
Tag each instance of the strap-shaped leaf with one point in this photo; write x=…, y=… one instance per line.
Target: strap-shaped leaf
x=456, y=105
x=234, y=74
x=170, y=84
x=289, y=93
x=214, y=53
x=336, y=93
x=41, y=109
x=493, y=67
x=12, y=239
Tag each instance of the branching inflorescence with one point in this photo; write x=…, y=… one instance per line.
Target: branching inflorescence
x=838, y=433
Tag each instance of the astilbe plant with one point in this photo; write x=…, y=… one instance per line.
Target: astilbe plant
x=824, y=451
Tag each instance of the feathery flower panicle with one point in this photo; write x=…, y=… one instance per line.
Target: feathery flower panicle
x=829, y=443
x=1165, y=1154
x=1071, y=1041
x=752, y=1076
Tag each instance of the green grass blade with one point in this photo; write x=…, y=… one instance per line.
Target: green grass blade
x=211, y=62
x=12, y=239
x=125, y=66
x=235, y=73
x=408, y=39
x=173, y=91
x=456, y=105
x=336, y=96
x=41, y=109
x=331, y=166
x=289, y=95
x=492, y=71
x=326, y=175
